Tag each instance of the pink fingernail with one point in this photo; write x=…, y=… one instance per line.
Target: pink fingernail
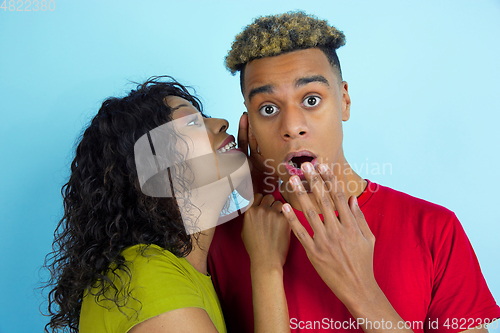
x=307, y=167
x=286, y=208
x=322, y=168
x=295, y=180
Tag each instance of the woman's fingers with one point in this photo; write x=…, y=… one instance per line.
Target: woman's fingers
x=257, y=198
x=277, y=205
x=267, y=200
x=252, y=141
x=243, y=133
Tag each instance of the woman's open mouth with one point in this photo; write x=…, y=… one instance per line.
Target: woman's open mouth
x=228, y=146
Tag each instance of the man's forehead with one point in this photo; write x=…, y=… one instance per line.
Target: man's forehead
x=297, y=83
x=293, y=68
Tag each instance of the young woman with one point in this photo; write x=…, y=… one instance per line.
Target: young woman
x=149, y=180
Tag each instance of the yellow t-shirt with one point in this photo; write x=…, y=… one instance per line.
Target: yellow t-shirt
x=160, y=282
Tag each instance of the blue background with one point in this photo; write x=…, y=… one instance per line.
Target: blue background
x=423, y=78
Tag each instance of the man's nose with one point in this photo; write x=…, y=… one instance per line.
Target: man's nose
x=293, y=123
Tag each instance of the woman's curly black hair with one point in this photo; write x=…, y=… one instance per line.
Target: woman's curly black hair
x=104, y=208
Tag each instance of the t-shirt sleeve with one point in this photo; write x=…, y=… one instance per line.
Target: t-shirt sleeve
x=461, y=299
x=160, y=284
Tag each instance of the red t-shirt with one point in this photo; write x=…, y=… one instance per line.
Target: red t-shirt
x=423, y=262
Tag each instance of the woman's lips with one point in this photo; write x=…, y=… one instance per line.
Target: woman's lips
x=229, y=139
x=228, y=146
x=234, y=150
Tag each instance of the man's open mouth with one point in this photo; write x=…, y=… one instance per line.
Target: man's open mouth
x=295, y=160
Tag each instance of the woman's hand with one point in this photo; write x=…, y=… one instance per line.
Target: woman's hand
x=264, y=179
x=342, y=247
x=266, y=233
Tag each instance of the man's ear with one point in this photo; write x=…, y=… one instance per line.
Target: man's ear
x=346, y=101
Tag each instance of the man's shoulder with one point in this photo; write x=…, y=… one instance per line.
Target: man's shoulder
x=391, y=212
x=385, y=197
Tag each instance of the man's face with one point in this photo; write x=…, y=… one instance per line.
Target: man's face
x=296, y=106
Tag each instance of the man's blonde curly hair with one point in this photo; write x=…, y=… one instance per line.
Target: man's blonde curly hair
x=273, y=35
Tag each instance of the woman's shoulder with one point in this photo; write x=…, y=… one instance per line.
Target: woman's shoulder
x=150, y=261
x=148, y=252
x=152, y=281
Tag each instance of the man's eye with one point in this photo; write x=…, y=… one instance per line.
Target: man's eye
x=311, y=101
x=268, y=110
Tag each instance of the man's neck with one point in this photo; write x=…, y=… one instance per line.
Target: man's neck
x=352, y=185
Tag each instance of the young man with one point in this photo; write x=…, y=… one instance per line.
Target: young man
x=421, y=274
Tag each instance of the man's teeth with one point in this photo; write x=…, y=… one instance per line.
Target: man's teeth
x=292, y=164
x=229, y=146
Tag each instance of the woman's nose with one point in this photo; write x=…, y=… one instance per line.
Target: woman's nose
x=216, y=125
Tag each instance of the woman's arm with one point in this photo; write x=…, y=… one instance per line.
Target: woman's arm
x=185, y=320
x=269, y=301
x=266, y=235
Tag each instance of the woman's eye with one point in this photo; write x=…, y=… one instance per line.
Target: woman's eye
x=268, y=110
x=311, y=101
x=193, y=122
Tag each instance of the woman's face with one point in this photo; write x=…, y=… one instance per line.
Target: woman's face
x=205, y=134
x=194, y=157
x=211, y=152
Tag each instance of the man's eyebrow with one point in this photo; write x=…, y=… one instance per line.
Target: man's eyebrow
x=259, y=90
x=308, y=79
